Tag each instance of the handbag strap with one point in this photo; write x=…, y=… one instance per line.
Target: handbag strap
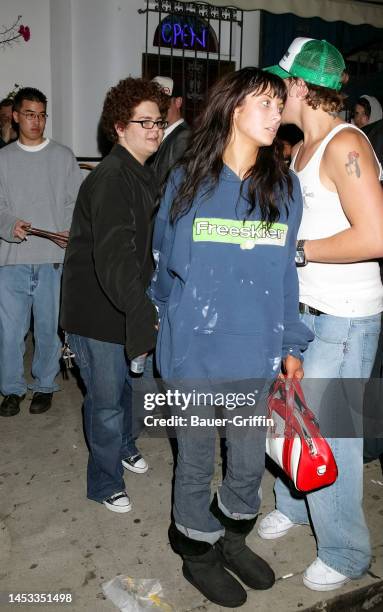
x=302, y=406
x=279, y=387
x=300, y=414
x=291, y=390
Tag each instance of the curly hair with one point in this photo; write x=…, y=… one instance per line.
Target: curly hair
x=122, y=99
x=330, y=100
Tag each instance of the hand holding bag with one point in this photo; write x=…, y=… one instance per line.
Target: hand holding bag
x=294, y=442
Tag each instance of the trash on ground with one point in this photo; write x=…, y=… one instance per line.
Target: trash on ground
x=136, y=595
x=287, y=576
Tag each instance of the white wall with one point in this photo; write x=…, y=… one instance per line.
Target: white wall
x=108, y=40
x=80, y=48
x=61, y=55
x=251, y=36
x=108, y=43
x=27, y=63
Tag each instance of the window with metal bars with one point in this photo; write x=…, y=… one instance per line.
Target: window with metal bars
x=194, y=44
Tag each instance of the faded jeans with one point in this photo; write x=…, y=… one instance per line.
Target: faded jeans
x=239, y=495
x=108, y=421
x=342, y=349
x=26, y=290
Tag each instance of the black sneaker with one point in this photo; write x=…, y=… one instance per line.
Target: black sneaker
x=119, y=502
x=11, y=405
x=135, y=463
x=41, y=402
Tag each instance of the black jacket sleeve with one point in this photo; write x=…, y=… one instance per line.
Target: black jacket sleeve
x=170, y=151
x=117, y=266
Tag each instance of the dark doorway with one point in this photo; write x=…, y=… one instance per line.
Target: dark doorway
x=192, y=76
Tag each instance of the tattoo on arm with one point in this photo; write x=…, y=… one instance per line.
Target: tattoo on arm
x=352, y=166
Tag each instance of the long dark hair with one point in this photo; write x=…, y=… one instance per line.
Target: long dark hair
x=203, y=163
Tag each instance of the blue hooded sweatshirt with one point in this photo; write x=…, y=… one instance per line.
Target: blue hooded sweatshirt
x=226, y=289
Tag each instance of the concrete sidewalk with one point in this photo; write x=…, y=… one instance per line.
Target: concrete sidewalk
x=52, y=539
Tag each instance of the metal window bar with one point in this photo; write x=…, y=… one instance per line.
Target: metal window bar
x=192, y=64
x=241, y=40
x=159, y=47
x=183, y=62
x=171, y=59
x=196, y=71
x=196, y=78
x=219, y=42
x=146, y=36
x=207, y=57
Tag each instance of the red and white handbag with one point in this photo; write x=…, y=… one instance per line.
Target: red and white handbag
x=294, y=441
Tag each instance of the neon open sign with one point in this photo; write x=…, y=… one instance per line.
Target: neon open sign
x=183, y=35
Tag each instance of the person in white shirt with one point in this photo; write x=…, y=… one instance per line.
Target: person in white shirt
x=39, y=182
x=341, y=298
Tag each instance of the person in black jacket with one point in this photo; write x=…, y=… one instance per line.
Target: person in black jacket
x=177, y=134
x=368, y=116
x=108, y=266
x=374, y=131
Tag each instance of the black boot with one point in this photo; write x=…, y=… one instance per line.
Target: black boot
x=41, y=402
x=203, y=568
x=11, y=405
x=238, y=557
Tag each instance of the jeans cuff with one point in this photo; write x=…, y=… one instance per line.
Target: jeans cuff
x=201, y=536
x=353, y=575
x=14, y=391
x=236, y=516
x=38, y=389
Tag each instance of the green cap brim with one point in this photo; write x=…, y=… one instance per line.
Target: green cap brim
x=278, y=71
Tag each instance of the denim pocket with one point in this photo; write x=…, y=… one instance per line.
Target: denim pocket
x=330, y=329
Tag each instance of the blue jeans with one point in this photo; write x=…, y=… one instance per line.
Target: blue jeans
x=342, y=348
x=26, y=289
x=108, y=421
x=239, y=496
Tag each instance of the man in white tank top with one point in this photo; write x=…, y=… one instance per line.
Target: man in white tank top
x=341, y=297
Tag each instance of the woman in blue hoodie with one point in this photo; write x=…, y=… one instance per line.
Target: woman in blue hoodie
x=227, y=293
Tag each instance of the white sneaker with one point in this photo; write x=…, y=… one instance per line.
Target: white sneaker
x=119, y=502
x=275, y=525
x=135, y=463
x=320, y=577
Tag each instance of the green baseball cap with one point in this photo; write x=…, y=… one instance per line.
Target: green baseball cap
x=315, y=61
